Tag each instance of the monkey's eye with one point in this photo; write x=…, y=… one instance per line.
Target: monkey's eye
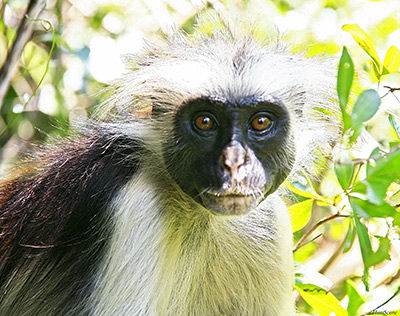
x=204, y=122
x=261, y=123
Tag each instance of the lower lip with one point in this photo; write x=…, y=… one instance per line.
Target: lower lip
x=231, y=204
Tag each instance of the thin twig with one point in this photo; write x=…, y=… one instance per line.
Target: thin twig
x=302, y=242
x=392, y=90
x=24, y=34
x=374, y=157
x=48, y=27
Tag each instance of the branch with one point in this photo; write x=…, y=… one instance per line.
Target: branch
x=24, y=34
x=302, y=242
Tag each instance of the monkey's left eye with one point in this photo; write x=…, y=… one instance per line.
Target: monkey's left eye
x=261, y=123
x=204, y=122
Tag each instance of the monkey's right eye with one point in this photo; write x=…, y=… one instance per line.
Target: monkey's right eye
x=204, y=122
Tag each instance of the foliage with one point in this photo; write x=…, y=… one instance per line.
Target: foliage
x=345, y=223
x=364, y=196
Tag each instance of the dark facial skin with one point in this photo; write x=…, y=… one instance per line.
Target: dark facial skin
x=229, y=155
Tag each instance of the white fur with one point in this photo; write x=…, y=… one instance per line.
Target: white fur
x=176, y=258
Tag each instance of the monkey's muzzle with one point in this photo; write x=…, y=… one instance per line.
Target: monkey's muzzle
x=230, y=204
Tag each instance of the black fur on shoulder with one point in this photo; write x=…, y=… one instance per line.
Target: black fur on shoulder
x=57, y=214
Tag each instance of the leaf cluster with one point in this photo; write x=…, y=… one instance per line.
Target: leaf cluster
x=365, y=187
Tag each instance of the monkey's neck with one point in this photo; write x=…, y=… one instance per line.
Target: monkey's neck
x=187, y=260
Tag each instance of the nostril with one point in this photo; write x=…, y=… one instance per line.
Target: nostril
x=234, y=163
x=233, y=157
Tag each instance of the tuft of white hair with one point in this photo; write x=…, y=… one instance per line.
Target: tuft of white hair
x=224, y=63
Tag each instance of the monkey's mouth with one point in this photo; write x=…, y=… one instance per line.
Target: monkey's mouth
x=230, y=203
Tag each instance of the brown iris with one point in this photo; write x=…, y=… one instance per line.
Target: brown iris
x=204, y=122
x=261, y=123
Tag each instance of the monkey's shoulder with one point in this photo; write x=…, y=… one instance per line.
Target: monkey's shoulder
x=65, y=189
x=55, y=211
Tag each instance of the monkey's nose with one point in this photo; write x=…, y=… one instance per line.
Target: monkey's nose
x=233, y=157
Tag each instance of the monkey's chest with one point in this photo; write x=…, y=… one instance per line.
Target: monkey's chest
x=220, y=272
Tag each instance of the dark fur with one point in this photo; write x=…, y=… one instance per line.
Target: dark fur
x=50, y=220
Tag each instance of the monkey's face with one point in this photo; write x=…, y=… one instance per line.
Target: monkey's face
x=229, y=155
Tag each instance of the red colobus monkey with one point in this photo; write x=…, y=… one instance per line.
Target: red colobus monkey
x=168, y=205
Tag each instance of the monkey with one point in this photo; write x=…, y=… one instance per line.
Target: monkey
x=169, y=200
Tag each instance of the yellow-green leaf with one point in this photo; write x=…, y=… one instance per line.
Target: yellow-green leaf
x=375, y=69
x=392, y=60
x=301, y=189
x=355, y=299
x=325, y=303
x=364, y=41
x=300, y=214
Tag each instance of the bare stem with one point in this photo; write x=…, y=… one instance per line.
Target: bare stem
x=302, y=242
x=24, y=34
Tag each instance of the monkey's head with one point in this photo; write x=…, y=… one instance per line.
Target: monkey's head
x=235, y=118
x=228, y=154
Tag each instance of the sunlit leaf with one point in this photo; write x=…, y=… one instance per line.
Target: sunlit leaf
x=365, y=107
x=300, y=214
x=357, y=132
x=348, y=242
x=325, y=303
x=337, y=199
x=382, y=253
x=324, y=202
x=344, y=172
x=395, y=122
x=34, y=59
x=364, y=41
x=392, y=61
x=376, y=189
x=372, y=210
x=355, y=299
x=302, y=189
x=365, y=244
x=380, y=175
x=388, y=166
x=375, y=69
x=344, y=81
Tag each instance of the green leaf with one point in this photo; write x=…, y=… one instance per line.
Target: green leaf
x=300, y=214
x=376, y=189
x=344, y=172
x=380, y=175
x=355, y=299
x=325, y=303
x=367, y=209
x=382, y=253
x=300, y=189
x=395, y=122
x=357, y=132
x=370, y=257
x=375, y=69
x=349, y=239
x=364, y=41
x=344, y=81
x=360, y=187
x=365, y=107
x=387, y=167
x=392, y=61
x=396, y=220
x=365, y=244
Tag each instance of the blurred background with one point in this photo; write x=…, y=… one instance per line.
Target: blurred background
x=89, y=38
